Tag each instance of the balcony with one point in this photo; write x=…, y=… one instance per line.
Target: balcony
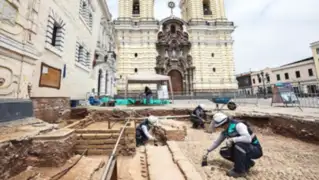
x=218, y=23
x=214, y=23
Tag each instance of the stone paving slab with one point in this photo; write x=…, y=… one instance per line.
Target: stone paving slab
x=183, y=163
x=55, y=134
x=19, y=131
x=158, y=159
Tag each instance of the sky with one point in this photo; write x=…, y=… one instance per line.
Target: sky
x=268, y=33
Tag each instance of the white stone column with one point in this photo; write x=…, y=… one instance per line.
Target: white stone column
x=222, y=9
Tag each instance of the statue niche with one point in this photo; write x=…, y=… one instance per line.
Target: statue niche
x=173, y=48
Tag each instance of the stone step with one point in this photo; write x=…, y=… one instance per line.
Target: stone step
x=99, y=136
x=91, y=152
x=103, y=136
x=105, y=141
x=90, y=131
x=128, y=130
x=105, y=146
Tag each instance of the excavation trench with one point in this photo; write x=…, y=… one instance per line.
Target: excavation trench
x=178, y=150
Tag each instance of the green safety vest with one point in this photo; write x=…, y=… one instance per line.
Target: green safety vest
x=232, y=132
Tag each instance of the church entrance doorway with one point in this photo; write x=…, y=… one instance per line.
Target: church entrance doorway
x=177, y=81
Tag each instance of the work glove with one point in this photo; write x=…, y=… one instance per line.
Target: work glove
x=229, y=142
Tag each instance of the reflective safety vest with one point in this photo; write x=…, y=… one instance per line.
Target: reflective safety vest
x=146, y=123
x=232, y=132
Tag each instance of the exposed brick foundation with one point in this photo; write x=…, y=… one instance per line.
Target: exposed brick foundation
x=51, y=109
x=16, y=156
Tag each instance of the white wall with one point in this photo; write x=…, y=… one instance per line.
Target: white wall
x=301, y=82
x=291, y=70
x=78, y=80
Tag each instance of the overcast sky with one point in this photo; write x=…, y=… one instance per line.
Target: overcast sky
x=269, y=32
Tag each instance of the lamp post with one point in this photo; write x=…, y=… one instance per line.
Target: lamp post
x=262, y=76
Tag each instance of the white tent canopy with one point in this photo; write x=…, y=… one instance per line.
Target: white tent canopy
x=148, y=78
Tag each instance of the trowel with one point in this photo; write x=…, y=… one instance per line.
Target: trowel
x=204, y=160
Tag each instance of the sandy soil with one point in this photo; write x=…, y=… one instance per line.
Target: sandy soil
x=284, y=158
x=133, y=167
x=84, y=169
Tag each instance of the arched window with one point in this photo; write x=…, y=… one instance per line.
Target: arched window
x=206, y=7
x=136, y=7
x=105, y=58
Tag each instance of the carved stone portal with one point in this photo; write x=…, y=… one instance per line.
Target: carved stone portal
x=173, y=58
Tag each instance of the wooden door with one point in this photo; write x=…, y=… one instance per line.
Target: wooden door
x=177, y=81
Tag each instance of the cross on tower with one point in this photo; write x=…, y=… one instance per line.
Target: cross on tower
x=171, y=5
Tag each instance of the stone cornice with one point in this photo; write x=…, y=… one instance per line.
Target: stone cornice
x=16, y=46
x=137, y=22
x=105, y=10
x=208, y=42
x=210, y=28
x=213, y=41
x=138, y=28
x=314, y=44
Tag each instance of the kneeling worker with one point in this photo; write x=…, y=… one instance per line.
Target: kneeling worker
x=142, y=130
x=197, y=117
x=242, y=144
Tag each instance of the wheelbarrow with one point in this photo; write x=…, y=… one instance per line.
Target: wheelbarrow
x=231, y=105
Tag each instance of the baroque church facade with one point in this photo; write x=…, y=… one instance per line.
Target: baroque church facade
x=196, y=50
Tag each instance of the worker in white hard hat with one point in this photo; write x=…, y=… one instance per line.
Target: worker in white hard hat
x=142, y=130
x=242, y=146
x=198, y=116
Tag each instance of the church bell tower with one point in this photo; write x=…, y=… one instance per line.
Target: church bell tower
x=212, y=44
x=136, y=31
x=136, y=9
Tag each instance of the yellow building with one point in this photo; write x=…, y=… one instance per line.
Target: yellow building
x=195, y=50
x=315, y=52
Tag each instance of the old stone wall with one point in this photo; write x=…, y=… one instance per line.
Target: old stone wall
x=51, y=109
x=17, y=155
x=101, y=142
